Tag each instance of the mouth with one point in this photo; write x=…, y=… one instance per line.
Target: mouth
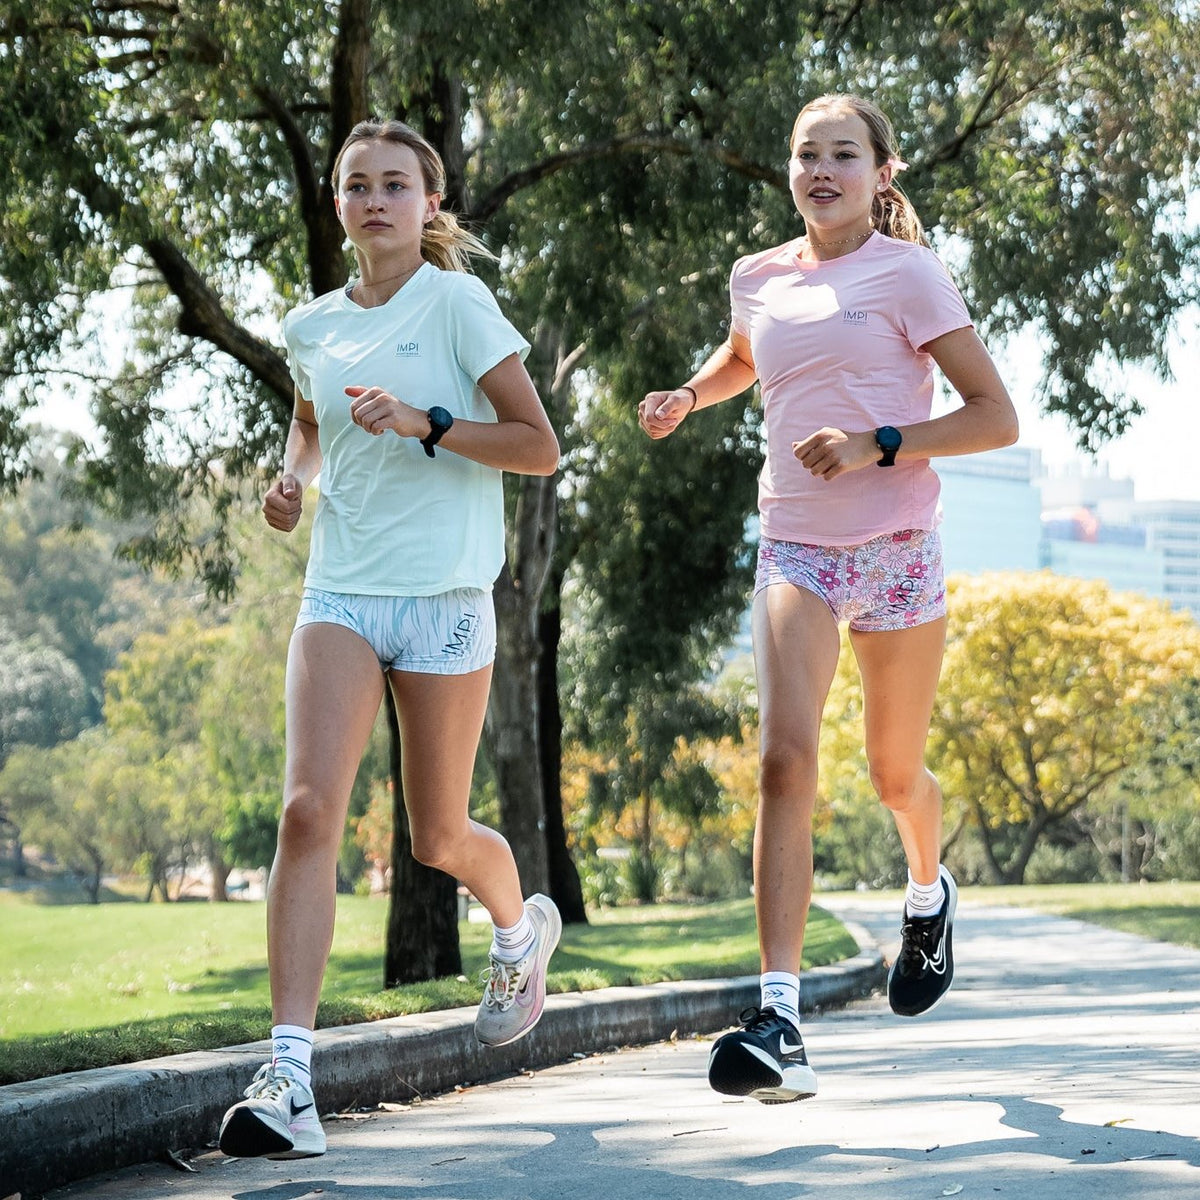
x=823, y=194
x=376, y=225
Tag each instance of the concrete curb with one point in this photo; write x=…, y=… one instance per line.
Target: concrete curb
x=57, y=1130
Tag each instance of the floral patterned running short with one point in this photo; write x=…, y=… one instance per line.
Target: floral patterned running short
x=891, y=582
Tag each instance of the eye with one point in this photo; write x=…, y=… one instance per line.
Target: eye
x=395, y=186
x=354, y=187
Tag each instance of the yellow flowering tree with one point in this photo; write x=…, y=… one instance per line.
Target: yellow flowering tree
x=1052, y=694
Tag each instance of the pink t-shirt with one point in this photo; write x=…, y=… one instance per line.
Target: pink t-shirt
x=838, y=343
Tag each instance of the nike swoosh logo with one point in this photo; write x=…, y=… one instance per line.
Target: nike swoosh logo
x=938, y=962
x=297, y=1110
x=784, y=1048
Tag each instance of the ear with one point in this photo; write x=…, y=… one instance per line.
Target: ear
x=884, y=179
x=433, y=203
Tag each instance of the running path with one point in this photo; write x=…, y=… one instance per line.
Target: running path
x=1064, y=1065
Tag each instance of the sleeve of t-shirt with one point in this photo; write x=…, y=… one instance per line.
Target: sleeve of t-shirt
x=483, y=335
x=930, y=302
x=300, y=376
x=739, y=321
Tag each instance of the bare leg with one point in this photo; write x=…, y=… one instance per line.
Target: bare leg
x=333, y=689
x=796, y=648
x=900, y=671
x=441, y=718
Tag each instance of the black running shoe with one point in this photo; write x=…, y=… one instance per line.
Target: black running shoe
x=924, y=968
x=764, y=1060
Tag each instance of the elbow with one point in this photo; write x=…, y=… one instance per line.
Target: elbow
x=547, y=459
x=1010, y=430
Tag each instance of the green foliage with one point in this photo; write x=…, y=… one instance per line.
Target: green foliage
x=620, y=156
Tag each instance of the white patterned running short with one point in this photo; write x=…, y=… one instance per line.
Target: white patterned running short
x=452, y=633
x=891, y=582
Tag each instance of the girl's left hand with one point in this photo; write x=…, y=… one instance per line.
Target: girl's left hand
x=830, y=452
x=378, y=411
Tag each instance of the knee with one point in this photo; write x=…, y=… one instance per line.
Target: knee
x=438, y=847
x=896, y=785
x=309, y=820
x=787, y=770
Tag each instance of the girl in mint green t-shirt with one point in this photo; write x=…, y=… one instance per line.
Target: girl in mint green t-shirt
x=411, y=399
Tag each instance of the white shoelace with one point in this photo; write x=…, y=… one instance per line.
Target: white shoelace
x=501, y=982
x=269, y=1084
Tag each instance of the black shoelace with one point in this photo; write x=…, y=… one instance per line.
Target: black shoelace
x=757, y=1020
x=919, y=942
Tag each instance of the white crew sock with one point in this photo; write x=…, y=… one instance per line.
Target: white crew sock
x=924, y=899
x=780, y=990
x=291, y=1051
x=512, y=944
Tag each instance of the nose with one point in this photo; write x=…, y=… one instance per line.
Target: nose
x=822, y=166
x=374, y=201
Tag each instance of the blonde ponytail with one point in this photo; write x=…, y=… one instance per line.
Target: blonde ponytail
x=444, y=242
x=893, y=215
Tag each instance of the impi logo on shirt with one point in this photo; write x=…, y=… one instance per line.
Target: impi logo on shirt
x=854, y=316
x=408, y=349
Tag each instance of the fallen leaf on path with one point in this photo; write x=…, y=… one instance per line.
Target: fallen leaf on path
x=952, y=1191
x=172, y=1159
x=1118, y=1121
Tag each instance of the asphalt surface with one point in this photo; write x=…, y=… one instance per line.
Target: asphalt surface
x=1064, y=1065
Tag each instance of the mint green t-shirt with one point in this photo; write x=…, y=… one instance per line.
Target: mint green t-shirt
x=390, y=520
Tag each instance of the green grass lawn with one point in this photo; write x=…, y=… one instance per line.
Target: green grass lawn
x=91, y=985
x=1169, y=912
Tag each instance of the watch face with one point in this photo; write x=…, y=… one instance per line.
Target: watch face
x=888, y=438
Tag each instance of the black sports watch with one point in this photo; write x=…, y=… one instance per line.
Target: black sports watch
x=439, y=421
x=888, y=439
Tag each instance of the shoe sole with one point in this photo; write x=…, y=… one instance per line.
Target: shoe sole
x=246, y=1134
x=740, y=1070
x=952, y=894
x=546, y=948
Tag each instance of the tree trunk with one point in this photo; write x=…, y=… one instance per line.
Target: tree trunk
x=512, y=730
x=565, y=888
x=422, y=925
x=219, y=871
x=1019, y=863
x=995, y=870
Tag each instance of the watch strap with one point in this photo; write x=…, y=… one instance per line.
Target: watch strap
x=439, y=423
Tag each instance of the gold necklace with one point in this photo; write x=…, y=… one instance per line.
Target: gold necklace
x=840, y=242
x=404, y=277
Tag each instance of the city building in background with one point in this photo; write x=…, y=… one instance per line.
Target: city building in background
x=1002, y=512
x=991, y=511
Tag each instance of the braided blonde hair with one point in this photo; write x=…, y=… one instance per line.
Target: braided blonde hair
x=892, y=212
x=444, y=242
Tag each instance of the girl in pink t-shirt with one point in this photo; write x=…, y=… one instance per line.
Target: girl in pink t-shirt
x=842, y=328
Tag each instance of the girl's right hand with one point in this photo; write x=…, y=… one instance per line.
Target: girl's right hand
x=661, y=412
x=283, y=503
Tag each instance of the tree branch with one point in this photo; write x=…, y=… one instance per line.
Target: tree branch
x=635, y=143
x=348, y=73
x=204, y=317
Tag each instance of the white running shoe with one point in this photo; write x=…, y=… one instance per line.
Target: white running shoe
x=515, y=993
x=278, y=1119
